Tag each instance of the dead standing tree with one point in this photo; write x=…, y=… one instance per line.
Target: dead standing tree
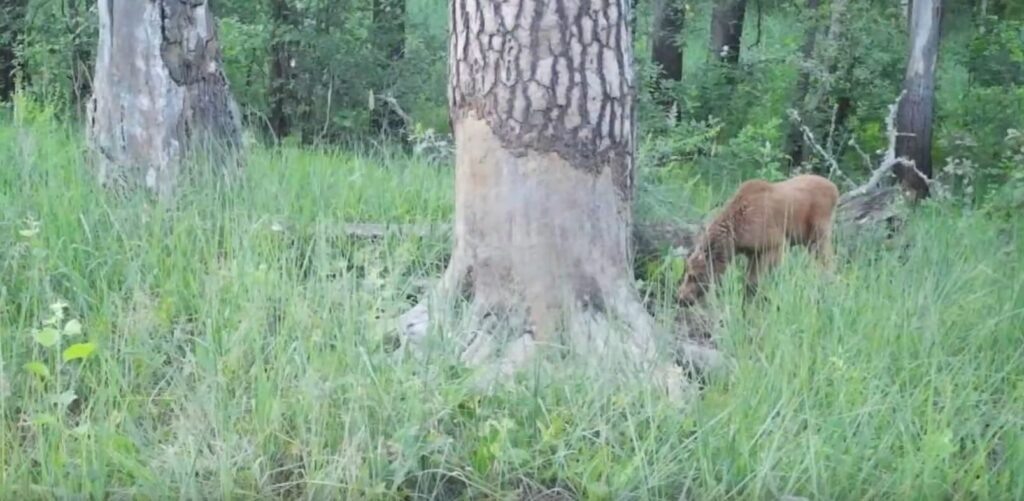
x=160, y=93
x=914, y=121
x=542, y=100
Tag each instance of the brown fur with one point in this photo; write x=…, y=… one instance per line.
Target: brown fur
x=759, y=221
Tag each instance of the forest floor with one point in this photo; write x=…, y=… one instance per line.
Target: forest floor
x=238, y=347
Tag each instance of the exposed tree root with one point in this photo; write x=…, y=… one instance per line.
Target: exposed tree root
x=499, y=341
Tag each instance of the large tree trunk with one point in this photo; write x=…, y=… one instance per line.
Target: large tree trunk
x=727, y=30
x=666, y=49
x=542, y=99
x=389, y=34
x=160, y=93
x=282, y=69
x=12, y=27
x=914, y=121
x=795, y=140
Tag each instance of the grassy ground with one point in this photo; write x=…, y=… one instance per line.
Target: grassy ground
x=236, y=359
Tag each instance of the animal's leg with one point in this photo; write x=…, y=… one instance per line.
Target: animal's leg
x=821, y=245
x=757, y=265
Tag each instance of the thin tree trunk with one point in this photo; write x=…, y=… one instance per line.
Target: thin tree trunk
x=282, y=69
x=160, y=93
x=80, y=78
x=666, y=49
x=727, y=30
x=840, y=96
x=542, y=98
x=389, y=27
x=914, y=121
x=12, y=27
x=795, y=138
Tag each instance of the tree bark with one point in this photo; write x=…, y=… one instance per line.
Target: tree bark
x=12, y=27
x=389, y=32
x=727, y=30
x=160, y=93
x=282, y=68
x=914, y=121
x=666, y=49
x=795, y=140
x=542, y=100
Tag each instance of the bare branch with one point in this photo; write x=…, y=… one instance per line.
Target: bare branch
x=393, y=103
x=864, y=156
x=833, y=165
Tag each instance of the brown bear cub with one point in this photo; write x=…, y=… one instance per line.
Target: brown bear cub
x=759, y=221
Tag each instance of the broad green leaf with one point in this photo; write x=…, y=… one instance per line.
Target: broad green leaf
x=38, y=369
x=47, y=336
x=72, y=328
x=78, y=350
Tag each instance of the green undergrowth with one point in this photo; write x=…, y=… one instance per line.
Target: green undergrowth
x=238, y=346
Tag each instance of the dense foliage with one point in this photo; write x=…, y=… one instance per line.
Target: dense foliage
x=318, y=71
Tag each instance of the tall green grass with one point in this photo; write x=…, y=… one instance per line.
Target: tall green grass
x=242, y=351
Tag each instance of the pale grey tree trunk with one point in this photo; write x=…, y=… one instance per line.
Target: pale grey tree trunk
x=916, y=111
x=542, y=100
x=160, y=93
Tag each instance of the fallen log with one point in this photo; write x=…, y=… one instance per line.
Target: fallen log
x=650, y=240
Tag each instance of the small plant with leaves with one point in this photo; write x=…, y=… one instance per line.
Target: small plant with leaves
x=59, y=353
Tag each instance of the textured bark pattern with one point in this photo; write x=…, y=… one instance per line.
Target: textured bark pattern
x=160, y=91
x=548, y=76
x=727, y=29
x=914, y=121
x=666, y=28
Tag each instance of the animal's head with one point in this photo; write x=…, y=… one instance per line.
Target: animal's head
x=698, y=275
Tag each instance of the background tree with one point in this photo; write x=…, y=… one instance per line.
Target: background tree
x=727, y=30
x=80, y=55
x=726, y=35
x=389, y=35
x=160, y=92
x=12, y=27
x=281, y=94
x=916, y=111
x=667, y=45
x=794, y=139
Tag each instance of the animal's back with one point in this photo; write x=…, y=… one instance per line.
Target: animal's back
x=762, y=212
x=820, y=188
x=810, y=201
